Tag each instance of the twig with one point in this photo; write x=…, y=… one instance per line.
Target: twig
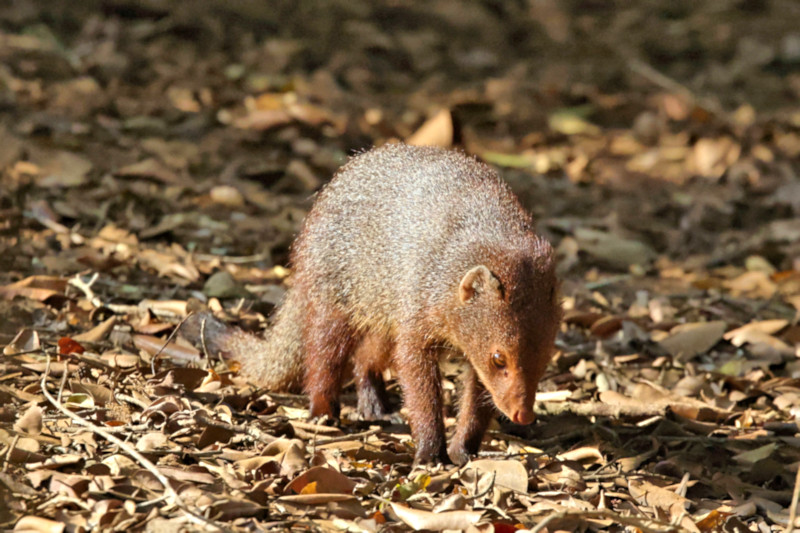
x=795, y=497
x=26, y=352
x=593, y=286
x=166, y=342
x=86, y=288
x=665, y=82
x=352, y=436
x=249, y=430
x=61, y=500
x=10, y=451
x=234, y=259
x=484, y=492
x=93, y=361
x=123, y=309
x=643, y=525
x=602, y=409
x=203, y=341
x=169, y=492
x=310, y=426
x=115, y=429
x=63, y=384
x=131, y=399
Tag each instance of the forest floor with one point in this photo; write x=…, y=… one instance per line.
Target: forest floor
x=151, y=156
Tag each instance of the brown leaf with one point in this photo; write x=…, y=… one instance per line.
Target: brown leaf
x=509, y=473
x=647, y=493
x=31, y=421
x=317, y=499
x=418, y=519
x=436, y=131
x=62, y=169
x=688, y=340
x=38, y=524
x=99, y=332
x=26, y=340
x=153, y=345
x=35, y=287
x=327, y=480
x=152, y=169
x=612, y=249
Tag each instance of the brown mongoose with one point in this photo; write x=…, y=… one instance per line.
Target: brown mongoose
x=409, y=250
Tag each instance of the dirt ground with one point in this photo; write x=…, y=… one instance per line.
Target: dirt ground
x=159, y=156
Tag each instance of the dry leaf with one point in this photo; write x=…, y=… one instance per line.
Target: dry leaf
x=326, y=479
x=509, y=473
x=418, y=519
x=436, y=131
x=31, y=421
x=688, y=340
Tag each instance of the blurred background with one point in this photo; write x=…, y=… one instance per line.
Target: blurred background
x=155, y=151
x=672, y=123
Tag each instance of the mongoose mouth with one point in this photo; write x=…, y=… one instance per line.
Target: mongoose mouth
x=520, y=411
x=523, y=416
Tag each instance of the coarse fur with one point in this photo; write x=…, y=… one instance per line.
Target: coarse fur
x=406, y=250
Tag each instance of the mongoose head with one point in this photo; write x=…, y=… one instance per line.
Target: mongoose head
x=509, y=317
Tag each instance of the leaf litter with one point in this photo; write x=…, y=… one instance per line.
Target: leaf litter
x=151, y=159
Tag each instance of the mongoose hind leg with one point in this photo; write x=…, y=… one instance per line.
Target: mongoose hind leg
x=329, y=343
x=371, y=359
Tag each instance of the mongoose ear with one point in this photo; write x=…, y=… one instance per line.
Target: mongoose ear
x=478, y=280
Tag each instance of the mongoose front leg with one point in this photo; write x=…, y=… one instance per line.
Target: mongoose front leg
x=329, y=342
x=475, y=412
x=418, y=372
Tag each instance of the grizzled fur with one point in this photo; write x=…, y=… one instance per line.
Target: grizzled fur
x=407, y=250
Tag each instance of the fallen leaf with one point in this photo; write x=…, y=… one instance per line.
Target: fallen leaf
x=31, y=421
x=27, y=340
x=62, y=169
x=689, y=340
x=436, y=131
x=38, y=524
x=418, y=519
x=35, y=287
x=754, y=330
x=612, y=249
x=97, y=333
x=327, y=480
x=509, y=473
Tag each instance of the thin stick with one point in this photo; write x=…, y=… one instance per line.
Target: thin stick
x=665, y=82
x=166, y=342
x=63, y=383
x=10, y=451
x=170, y=493
x=795, y=496
x=643, y=525
x=86, y=288
x=352, y=436
x=486, y=490
x=234, y=259
x=203, y=341
x=248, y=429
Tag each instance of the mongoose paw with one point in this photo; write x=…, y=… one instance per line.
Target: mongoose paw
x=427, y=455
x=458, y=454
x=372, y=410
x=325, y=420
x=324, y=412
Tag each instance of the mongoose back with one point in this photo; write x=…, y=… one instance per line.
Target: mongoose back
x=406, y=251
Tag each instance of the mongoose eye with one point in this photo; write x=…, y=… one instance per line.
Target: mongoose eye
x=498, y=360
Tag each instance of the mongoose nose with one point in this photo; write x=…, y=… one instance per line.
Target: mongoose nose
x=523, y=417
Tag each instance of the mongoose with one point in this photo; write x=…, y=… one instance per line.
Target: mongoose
x=409, y=250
